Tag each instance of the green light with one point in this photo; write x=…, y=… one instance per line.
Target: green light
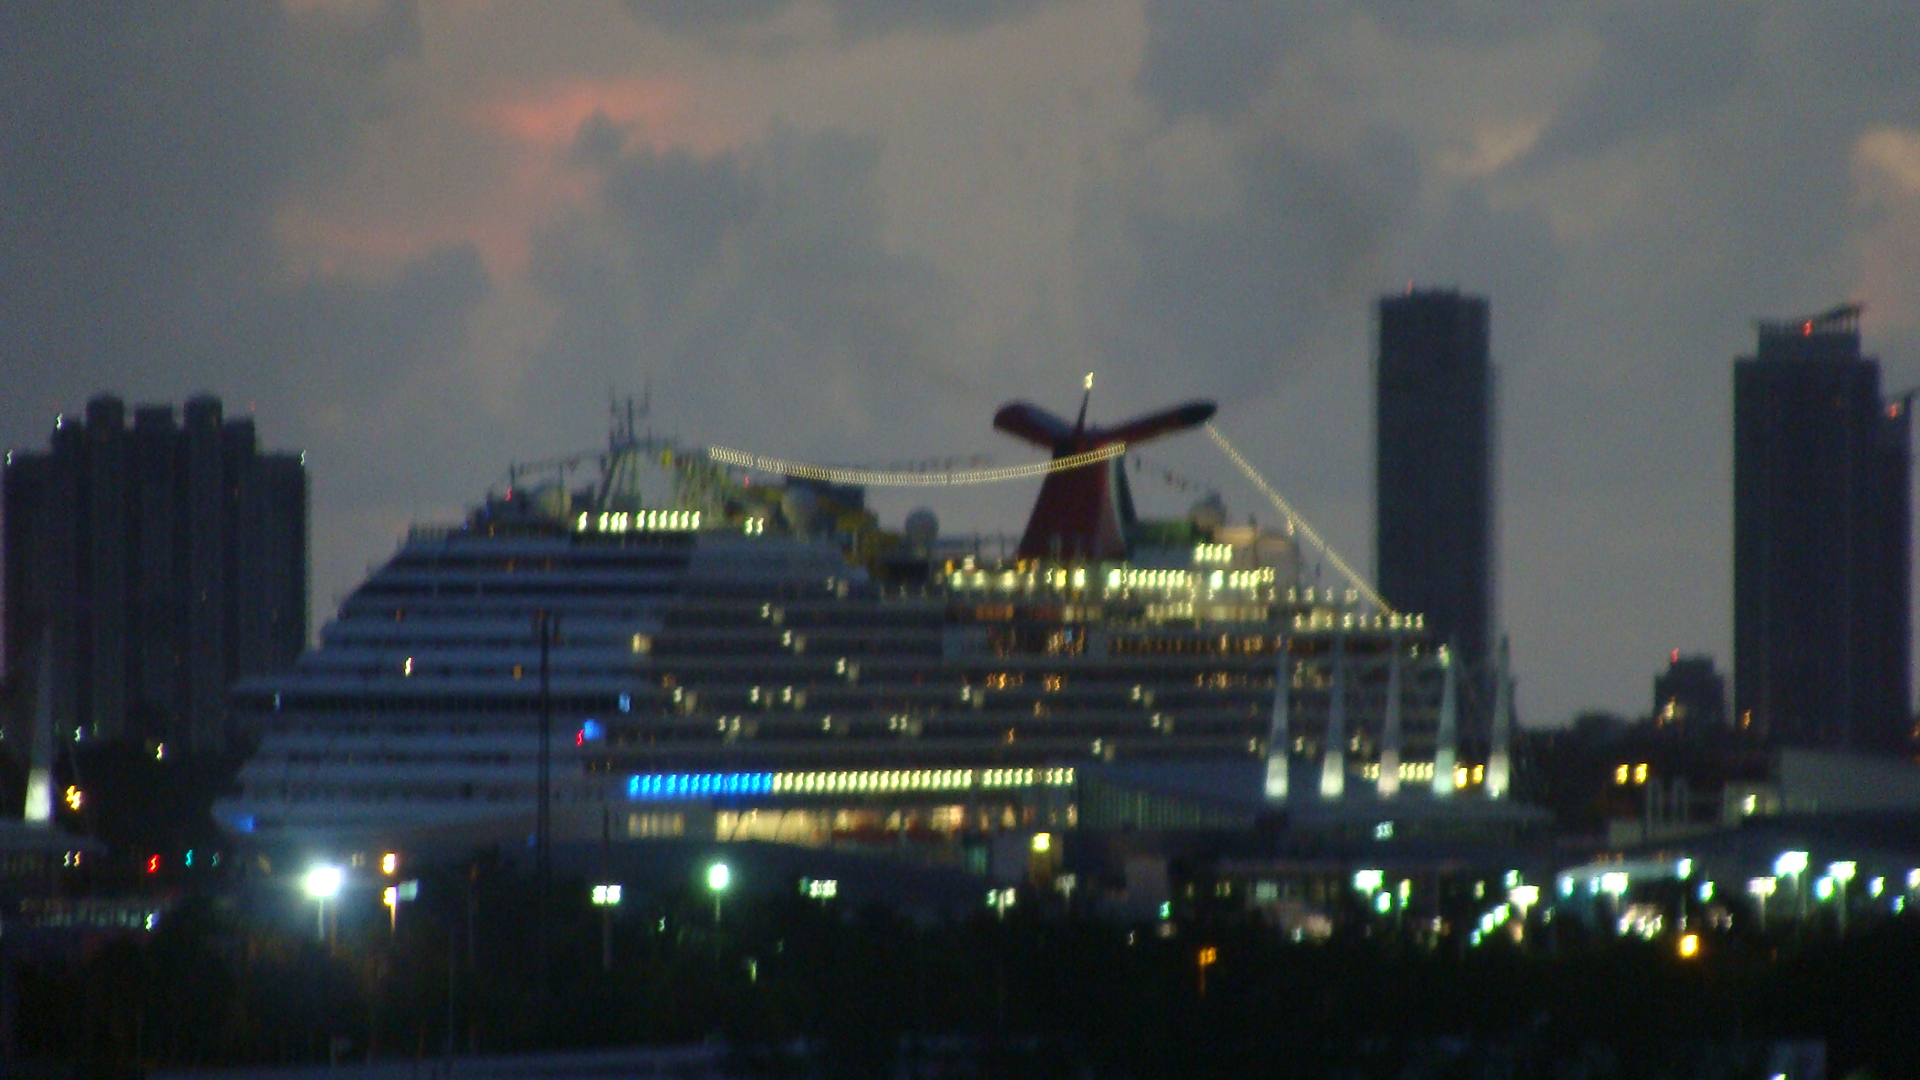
x=718, y=877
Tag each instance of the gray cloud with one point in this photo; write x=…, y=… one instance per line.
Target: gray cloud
x=1660, y=66
x=852, y=19
x=142, y=151
x=1209, y=59
x=352, y=344
x=1228, y=292
x=752, y=284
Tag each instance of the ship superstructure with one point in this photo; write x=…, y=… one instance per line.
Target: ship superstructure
x=745, y=661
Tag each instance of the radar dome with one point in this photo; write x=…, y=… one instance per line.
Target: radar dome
x=801, y=507
x=921, y=529
x=1209, y=513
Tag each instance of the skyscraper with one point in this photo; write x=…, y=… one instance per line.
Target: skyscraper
x=1433, y=472
x=158, y=563
x=1821, y=541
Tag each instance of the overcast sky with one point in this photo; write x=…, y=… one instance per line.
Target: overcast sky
x=421, y=240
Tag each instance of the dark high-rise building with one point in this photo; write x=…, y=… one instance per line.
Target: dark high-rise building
x=1821, y=541
x=1433, y=471
x=159, y=562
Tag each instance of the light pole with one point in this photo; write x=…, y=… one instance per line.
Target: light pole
x=1793, y=864
x=1682, y=871
x=1841, y=873
x=323, y=884
x=1615, y=884
x=718, y=878
x=1368, y=883
x=393, y=897
x=606, y=898
x=1761, y=888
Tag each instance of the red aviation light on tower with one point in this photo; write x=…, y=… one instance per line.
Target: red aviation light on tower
x=1084, y=513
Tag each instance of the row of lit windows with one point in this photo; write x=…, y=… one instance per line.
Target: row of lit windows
x=1327, y=620
x=668, y=786
x=639, y=521
x=1220, y=554
x=1223, y=645
x=1118, y=579
x=1409, y=770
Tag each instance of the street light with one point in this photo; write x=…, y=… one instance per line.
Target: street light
x=607, y=897
x=1842, y=873
x=718, y=878
x=323, y=884
x=395, y=895
x=1793, y=864
x=1761, y=888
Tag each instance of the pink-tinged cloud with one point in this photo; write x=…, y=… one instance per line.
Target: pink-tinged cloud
x=658, y=111
x=528, y=128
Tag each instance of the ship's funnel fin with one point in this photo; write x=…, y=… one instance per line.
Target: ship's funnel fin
x=1034, y=424
x=1166, y=421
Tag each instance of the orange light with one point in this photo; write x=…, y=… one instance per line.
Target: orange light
x=1689, y=945
x=389, y=863
x=1209, y=956
x=153, y=864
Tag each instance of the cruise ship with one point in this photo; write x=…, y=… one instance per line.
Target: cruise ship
x=717, y=651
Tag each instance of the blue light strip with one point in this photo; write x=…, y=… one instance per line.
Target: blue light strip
x=665, y=787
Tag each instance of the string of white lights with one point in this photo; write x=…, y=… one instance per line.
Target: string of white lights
x=880, y=478
x=1299, y=523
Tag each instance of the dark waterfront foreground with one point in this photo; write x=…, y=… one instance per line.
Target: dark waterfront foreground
x=787, y=985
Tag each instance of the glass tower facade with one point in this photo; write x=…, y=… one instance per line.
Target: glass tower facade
x=1821, y=541
x=1433, y=479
